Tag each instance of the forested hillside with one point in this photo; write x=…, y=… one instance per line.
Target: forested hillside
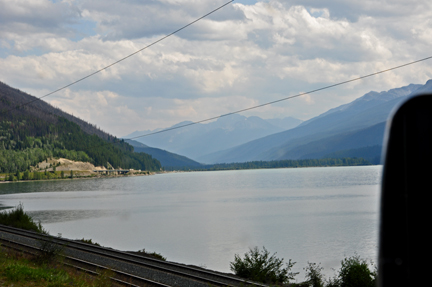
x=32, y=133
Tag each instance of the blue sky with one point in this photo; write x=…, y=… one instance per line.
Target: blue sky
x=248, y=53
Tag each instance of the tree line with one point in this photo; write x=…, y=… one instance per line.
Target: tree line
x=26, y=141
x=277, y=164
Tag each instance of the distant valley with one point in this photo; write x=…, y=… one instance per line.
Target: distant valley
x=355, y=129
x=33, y=133
x=198, y=140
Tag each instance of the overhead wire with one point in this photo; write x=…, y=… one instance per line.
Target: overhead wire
x=215, y=117
x=281, y=100
x=120, y=60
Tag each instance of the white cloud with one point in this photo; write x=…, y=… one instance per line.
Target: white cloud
x=240, y=56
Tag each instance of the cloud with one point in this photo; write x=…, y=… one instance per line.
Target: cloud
x=353, y=10
x=240, y=56
x=28, y=24
x=156, y=18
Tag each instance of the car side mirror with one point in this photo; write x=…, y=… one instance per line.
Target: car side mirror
x=405, y=212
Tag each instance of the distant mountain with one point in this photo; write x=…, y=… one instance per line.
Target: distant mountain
x=167, y=159
x=226, y=132
x=286, y=123
x=332, y=147
x=327, y=133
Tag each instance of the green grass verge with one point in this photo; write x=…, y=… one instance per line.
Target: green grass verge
x=18, y=270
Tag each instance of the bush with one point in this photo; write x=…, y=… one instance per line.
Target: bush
x=19, y=219
x=354, y=272
x=152, y=254
x=314, y=277
x=49, y=251
x=89, y=241
x=261, y=267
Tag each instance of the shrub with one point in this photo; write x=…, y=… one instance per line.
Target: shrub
x=89, y=241
x=314, y=277
x=261, y=267
x=354, y=272
x=49, y=251
x=152, y=254
x=19, y=219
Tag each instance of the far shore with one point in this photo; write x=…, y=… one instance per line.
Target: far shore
x=77, y=176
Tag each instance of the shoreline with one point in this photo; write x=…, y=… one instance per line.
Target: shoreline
x=93, y=176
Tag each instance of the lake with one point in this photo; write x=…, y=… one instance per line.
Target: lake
x=203, y=218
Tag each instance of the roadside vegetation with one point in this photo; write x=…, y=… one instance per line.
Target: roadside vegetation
x=43, y=269
x=19, y=219
x=259, y=266
x=155, y=255
x=19, y=270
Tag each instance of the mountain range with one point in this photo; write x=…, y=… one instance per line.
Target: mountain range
x=355, y=129
x=226, y=132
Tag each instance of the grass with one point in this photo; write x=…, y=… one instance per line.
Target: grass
x=19, y=270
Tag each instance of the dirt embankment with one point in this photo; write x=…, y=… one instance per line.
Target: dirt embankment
x=66, y=165
x=63, y=164
x=78, y=167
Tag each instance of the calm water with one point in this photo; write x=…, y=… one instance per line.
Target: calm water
x=204, y=218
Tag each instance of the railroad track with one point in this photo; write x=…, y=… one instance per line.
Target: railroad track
x=128, y=269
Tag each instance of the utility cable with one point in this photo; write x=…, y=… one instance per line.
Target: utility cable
x=283, y=99
x=122, y=59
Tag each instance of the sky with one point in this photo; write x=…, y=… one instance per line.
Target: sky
x=245, y=54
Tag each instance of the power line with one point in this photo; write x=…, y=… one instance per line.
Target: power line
x=122, y=59
x=283, y=99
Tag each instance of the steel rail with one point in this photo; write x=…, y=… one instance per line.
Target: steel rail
x=168, y=267
x=9, y=244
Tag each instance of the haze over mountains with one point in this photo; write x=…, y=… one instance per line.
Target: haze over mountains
x=198, y=140
x=166, y=158
x=355, y=129
x=352, y=129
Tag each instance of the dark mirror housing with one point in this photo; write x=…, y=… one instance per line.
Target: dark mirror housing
x=405, y=237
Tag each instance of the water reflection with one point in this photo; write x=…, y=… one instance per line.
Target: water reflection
x=56, y=216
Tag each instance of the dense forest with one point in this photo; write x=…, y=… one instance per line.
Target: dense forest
x=280, y=164
x=32, y=133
